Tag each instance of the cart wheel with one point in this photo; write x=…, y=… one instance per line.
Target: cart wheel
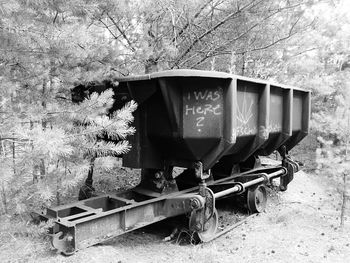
x=256, y=199
x=210, y=226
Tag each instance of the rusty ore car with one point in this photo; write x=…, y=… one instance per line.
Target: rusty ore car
x=212, y=125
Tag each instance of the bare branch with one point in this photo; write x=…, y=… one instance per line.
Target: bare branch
x=122, y=32
x=219, y=50
x=109, y=30
x=192, y=20
x=212, y=29
x=56, y=15
x=304, y=51
x=290, y=34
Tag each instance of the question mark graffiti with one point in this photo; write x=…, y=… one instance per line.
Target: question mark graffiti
x=200, y=122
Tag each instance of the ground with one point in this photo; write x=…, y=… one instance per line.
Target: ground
x=299, y=225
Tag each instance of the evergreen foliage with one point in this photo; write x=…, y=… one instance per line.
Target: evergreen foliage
x=46, y=48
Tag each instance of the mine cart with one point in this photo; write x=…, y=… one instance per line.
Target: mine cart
x=212, y=125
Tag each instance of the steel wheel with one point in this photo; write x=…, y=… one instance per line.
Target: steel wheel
x=210, y=226
x=256, y=199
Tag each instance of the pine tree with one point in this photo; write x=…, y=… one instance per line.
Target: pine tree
x=47, y=141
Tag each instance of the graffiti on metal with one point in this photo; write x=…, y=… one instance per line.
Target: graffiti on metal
x=272, y=128
x=201, y=106
x=263, y=132
x=245, y=115
x=275, y=127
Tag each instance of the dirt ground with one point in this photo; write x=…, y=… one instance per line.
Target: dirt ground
x=299, y=225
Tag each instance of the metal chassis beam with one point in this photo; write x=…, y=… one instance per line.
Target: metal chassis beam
x=86, y=225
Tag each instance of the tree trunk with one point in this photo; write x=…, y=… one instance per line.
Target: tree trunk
x=58, y=195
x=58, y=189
x=344, y=195
x=4, y=197
x=343, y=207
x=42, y=168
x=243, y=64
x=87, y=190
x=14, y=155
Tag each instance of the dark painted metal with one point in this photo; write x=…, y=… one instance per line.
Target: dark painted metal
x=113, y=217
x=186, y=116
x=88, y=222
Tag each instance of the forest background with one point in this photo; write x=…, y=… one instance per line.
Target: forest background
x=48, y=47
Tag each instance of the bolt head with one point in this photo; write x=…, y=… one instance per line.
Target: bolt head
x=194, y=203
